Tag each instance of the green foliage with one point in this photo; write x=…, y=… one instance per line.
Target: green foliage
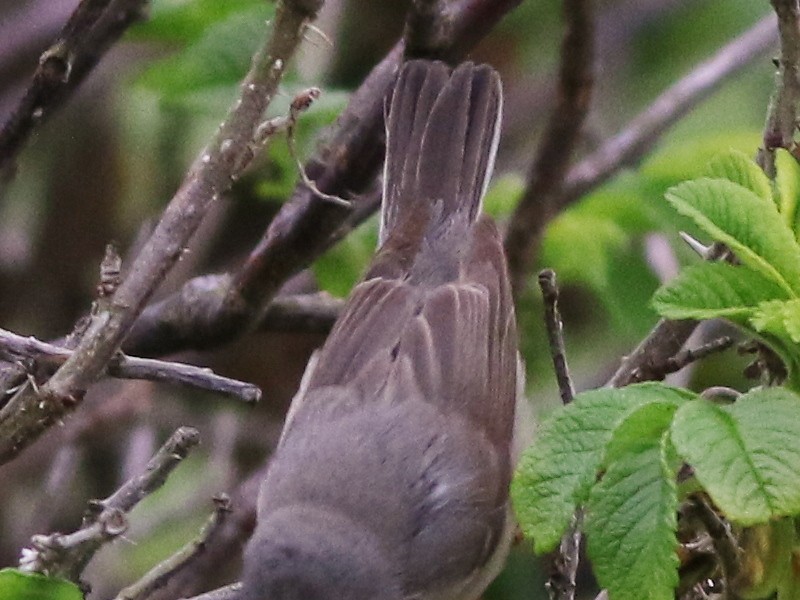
x=616, y=453
x=18, y=585
x=746, y=454
x=756, y=221
x=631, y=523
x=557, y=473
x=338, y=270
x=215, y=49
x=185, y=21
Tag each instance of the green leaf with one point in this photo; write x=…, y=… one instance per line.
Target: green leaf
x=688, y=159
x=503, y=195
x=779, y=318
x=182, y=21
x=745, y=454
x=555, y=474
x=737, y=167
x=747, y=224
x=630, y=518
x=787, y=183
x=338, y=270
x=712, y=290
x=580, y=247
x=19, y=585
x=218, y=58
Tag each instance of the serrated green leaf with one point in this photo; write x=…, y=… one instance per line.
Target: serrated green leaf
x=779, y=318
x=745, y=454
x=739, y=168
x=712, y=290
x=630, y=519
x=18, y=585
x=787, y=184
x=747, y=224
x=555, y=474
x=218, y=58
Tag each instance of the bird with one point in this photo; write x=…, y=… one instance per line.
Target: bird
x=390, y=479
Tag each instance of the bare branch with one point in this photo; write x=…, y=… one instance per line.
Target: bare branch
x=632, y=143
x=555, y=334
x=689, y=355
x=14, y=347
x=67, y=555
x=28, y=414
x=782, y=111
x=538, y=203
x=650, y=358
x=160, y=575
x=94, y=27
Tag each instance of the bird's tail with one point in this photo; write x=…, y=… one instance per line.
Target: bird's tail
x=442, y=134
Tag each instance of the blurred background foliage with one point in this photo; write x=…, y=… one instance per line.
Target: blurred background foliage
x=105, y=166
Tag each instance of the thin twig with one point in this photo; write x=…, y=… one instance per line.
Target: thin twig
x=661, y=344
x=555, y=334
x=160, y=575
x=67, y=555
x=562, y=564
x=14, y=347
x=656, y=370
x=689, y=355
x=553, y=156
x=632, y=143
x=650, y=358
x=782, y=112
x=28, y=414
x=94, y=27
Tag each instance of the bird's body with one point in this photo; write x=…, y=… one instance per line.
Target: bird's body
x=391, y=477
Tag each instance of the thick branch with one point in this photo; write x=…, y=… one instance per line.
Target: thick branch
x=782, y=112
x=558, y=144
x=93, y=28
x=67, y=555
x=15, y=347
x=27, y=415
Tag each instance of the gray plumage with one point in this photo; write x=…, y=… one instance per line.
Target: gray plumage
x=391, y=477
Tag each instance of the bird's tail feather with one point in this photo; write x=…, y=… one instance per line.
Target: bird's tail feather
x=442, y=135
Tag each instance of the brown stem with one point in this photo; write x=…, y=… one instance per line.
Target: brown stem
x=15, y=347
x=538, y=203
